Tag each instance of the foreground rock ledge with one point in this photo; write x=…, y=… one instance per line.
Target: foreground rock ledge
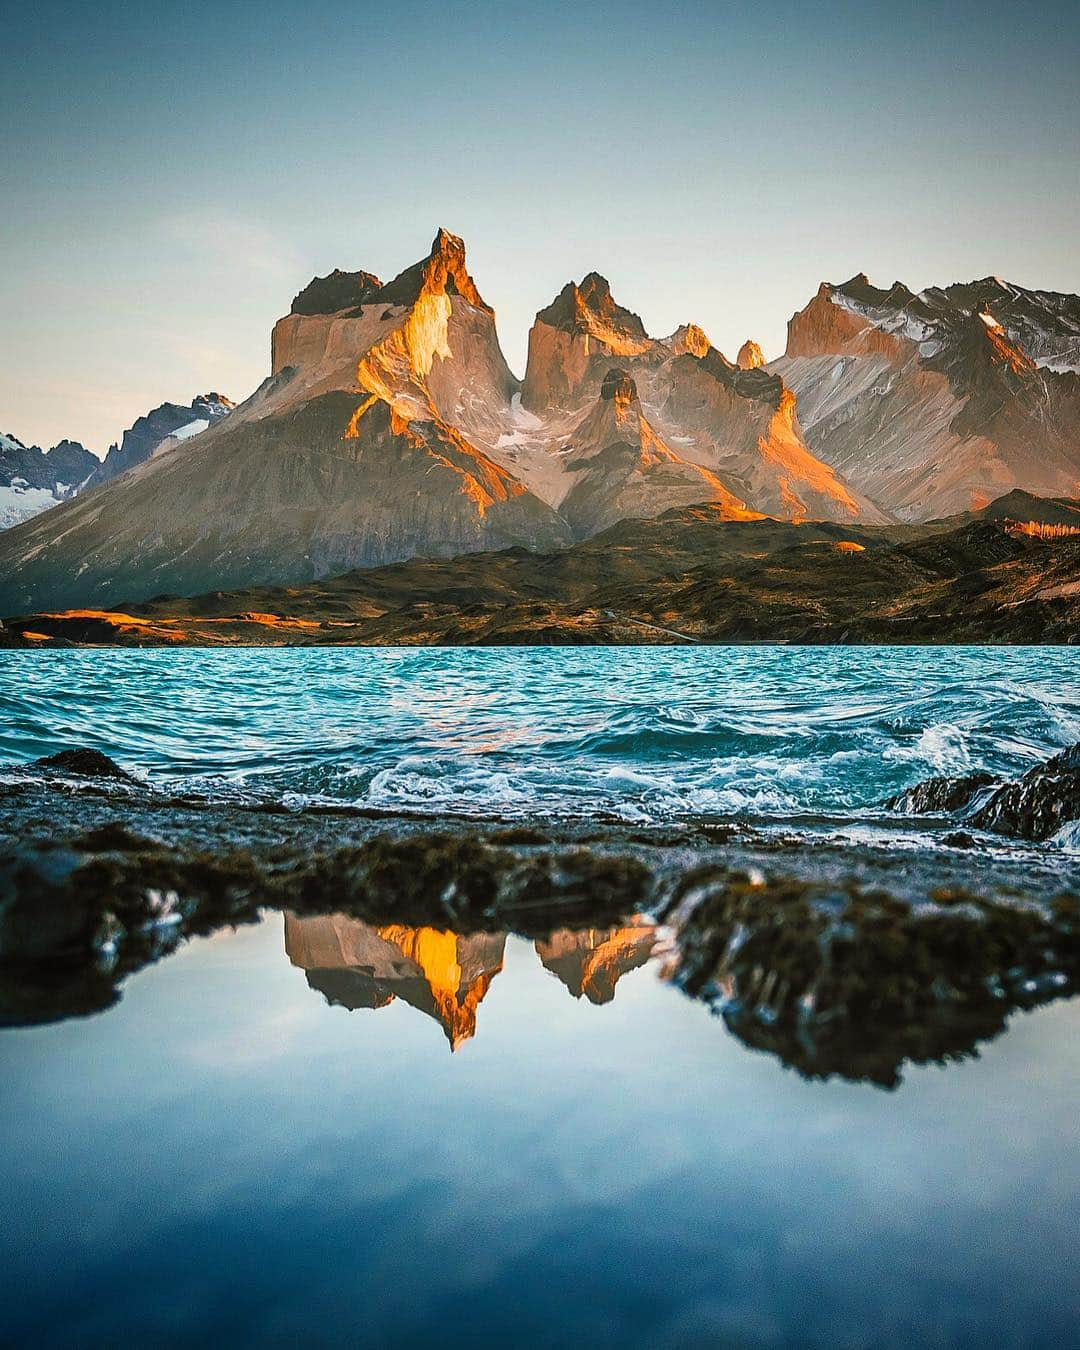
x=837, y=959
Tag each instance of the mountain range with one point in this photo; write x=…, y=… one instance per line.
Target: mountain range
x=391, y=427
x=32, y=480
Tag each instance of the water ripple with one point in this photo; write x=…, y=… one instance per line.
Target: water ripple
x=645, y=733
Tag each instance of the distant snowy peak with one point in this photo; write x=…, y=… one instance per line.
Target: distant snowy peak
x=162, y=428
x=32, y=479
x=1044, y=325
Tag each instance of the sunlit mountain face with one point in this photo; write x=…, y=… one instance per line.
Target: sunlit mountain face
x=592, y=961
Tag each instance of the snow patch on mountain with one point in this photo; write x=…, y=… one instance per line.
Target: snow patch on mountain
x=19, y=501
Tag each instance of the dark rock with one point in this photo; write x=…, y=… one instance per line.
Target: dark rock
x=1045, y=799
x=618, y=385
x=838, y=979
x=940, y=794
x=85, y=763
x=336, y=292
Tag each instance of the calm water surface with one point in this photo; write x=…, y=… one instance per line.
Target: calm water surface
x=317, y=1132
x=227, y=1158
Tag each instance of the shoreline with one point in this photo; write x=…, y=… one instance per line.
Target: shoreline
x=840, y=957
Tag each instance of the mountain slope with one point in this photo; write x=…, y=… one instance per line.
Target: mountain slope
x=341, y=459
x=942, y=401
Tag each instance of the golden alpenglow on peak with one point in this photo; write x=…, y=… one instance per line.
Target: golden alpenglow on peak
x=391, y=428
x=591, y=961
x=446, y=975
x=358, y=965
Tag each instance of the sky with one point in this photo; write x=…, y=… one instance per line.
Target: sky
x=174, y=173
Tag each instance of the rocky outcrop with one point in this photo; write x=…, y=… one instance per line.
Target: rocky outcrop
x=336, y=292
x=839, y=979
x=942, y=401
x=750, y=356
x=84, y=763
x=940, y=795
x=1043, y=802
x=1037, y=806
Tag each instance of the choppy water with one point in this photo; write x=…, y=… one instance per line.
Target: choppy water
x=644, y=733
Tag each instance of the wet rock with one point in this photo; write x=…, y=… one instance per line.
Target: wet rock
x=1041, y=803
x=1035, y=807
x=837, y=979
x=112, y=837
x=448, y=878
x=580, y=886
x=42, y=913
x=940, y=794
x=84, y=763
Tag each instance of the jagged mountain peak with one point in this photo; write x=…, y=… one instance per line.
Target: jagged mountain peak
x=442, y=272
x=589, y=307
x=336, y=292
x=688, y=337
x=750, y=356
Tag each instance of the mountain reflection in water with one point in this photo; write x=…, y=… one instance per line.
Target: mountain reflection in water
x=446, y=975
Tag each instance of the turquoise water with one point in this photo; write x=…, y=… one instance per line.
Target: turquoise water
x=641, y=733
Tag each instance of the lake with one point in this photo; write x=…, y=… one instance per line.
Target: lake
x=316, y=1130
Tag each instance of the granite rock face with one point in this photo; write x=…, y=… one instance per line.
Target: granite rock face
x=941, y=401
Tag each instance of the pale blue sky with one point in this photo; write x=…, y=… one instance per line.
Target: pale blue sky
x=174, y=173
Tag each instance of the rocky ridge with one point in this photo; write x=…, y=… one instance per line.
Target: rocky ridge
x=392, y=427
x=940, y=401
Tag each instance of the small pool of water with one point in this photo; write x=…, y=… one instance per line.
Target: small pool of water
x=316, y=1132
